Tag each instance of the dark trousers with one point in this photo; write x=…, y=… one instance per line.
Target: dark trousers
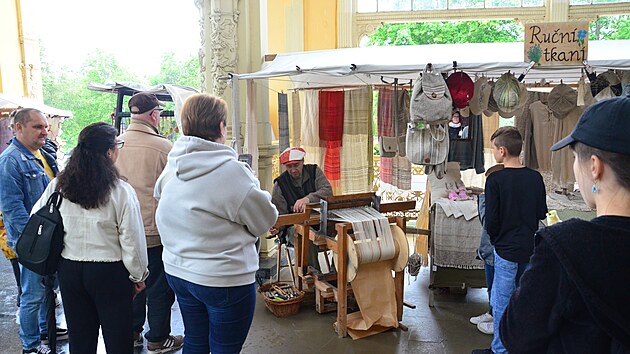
x=158, y=297
x=16, y=273
x=97, y=294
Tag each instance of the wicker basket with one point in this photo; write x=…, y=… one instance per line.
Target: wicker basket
x=282, y=308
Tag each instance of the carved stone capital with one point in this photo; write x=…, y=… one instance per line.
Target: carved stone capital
x=202, y=44
x=223, y=47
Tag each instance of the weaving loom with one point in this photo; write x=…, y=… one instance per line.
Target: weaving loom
x=352, y=226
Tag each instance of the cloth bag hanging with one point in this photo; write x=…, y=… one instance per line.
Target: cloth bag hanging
x=428, y=147
x=431, y=100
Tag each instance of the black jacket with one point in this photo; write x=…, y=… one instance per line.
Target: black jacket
x=576, y=296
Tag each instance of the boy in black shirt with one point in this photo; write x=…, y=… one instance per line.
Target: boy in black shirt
x=515, y=202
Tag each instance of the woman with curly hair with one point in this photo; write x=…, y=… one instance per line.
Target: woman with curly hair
x=104, y=260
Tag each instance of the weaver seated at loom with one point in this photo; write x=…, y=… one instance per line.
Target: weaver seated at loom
x=296, y=187
x=367, y=246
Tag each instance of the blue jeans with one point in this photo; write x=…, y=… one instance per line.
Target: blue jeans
x=215, y=319
x=489, y=269
x=158, y=297
x=32, y=308
x=506, y=278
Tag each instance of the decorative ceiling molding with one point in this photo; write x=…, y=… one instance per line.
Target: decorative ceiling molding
x=592, y=12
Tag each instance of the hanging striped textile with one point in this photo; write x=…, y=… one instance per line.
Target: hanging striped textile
x=331, y=110
x=295, y=119
x=355, y=156
x=385, y=112
x=310, y=127
x=401, y=173
x=387, y=170
x=283, y=121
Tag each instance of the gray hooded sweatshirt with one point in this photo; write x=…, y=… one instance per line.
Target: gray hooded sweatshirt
x=210, y=214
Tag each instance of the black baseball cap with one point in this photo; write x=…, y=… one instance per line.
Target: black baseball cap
x=143, y=102
x=604, y=125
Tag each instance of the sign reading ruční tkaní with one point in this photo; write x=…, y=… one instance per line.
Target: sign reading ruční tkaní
x=556, y=43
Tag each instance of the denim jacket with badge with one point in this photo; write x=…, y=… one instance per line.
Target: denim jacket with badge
x=22, y=182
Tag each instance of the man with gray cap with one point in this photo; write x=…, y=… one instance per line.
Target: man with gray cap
x=142, y=162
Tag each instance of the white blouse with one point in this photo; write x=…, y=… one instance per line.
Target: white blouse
x=111, y=233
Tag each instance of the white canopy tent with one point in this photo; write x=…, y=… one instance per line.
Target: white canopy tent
x=13, y=102
x=348, y=67
x=360, y=66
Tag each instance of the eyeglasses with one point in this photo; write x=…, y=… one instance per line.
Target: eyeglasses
x=157, y=109
x=119, y=144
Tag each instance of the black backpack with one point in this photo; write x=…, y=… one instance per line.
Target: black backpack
x=40, y=245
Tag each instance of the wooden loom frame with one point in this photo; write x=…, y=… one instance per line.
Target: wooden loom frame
x=323, y=289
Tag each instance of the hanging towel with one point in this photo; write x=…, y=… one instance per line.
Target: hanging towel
x=310, y=118
x=385, y=112
x=283, y=121
x=331, y=110
x=310, y=127
x=295, y=119
x=356, y=150
x=386, y=169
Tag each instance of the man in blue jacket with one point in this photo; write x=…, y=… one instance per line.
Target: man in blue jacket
x=25, y=171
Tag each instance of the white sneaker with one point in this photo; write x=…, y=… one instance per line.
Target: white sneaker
x=486, y=327
x=486, y=317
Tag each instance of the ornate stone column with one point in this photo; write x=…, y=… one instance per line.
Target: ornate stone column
x=234, y=40
x=219, y=43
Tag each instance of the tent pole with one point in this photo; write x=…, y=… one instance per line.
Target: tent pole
x=236, y=122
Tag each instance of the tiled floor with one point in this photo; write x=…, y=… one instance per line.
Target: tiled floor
x=442, y=329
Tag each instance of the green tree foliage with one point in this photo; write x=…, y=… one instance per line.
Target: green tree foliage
x=610, y=27
x=447, y=32
x=185, y=72
x=66, y=88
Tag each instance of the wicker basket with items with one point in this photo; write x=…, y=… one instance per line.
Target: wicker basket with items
x=281, y=299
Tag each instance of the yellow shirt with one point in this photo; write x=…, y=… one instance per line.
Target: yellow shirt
x=47, y=168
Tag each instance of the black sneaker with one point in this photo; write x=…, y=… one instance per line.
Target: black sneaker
x=42, y=349
x=62, y=334
x=482, y=351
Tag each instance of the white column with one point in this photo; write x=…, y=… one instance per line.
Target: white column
x=345, y=23
x=557, y=10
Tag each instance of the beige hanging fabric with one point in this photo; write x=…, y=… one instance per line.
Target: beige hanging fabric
x=585, y=96
x=356, y=147
x=310, y=127
x=295, y=119
x=562, y=160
